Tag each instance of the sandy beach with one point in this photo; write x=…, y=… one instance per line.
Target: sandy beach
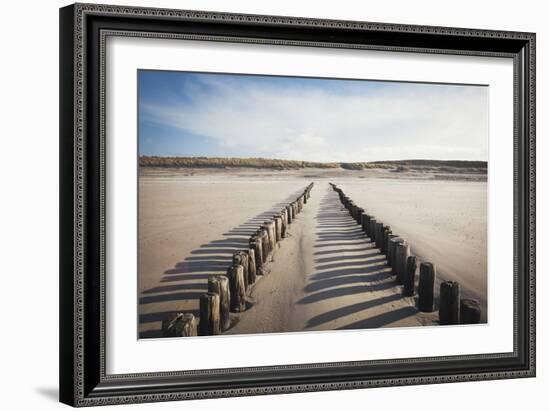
x=327, y=274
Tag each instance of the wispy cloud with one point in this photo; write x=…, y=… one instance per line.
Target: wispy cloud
x=323, y=120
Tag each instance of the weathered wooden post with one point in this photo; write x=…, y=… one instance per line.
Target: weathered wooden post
x=240, y=257
x=378, y=234
x=410, y=274
x=267, y=229
x=358, y=213
x=449, y=307
x=255, y=243
x=352, y=209
x=209, y=321
x=426, y=283
x=289, y=213
x=237, y=290
x=219, y=284
x=393, y=253
x=372, y=228
x=179, y=325
x=402, y=252
x=251, y=266
x=266, y=244
x=284, y=227
x=278, y=227
x=270, y=227
x=386, y=233
x=470, y=311
x=246, y=265
x=365, y=220
x=389, y=250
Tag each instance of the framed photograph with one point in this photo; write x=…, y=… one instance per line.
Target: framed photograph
x=262, y=204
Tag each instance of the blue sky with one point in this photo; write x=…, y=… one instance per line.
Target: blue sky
x=227, y=115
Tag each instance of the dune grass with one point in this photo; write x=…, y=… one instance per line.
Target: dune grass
x=277, y=164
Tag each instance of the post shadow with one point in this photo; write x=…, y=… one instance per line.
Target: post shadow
x=347, y=264
x=187, y=280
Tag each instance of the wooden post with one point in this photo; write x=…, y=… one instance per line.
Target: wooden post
x=209, y=322
x=237, y=291
x=426, y=283
x=389, y=250
x=179, y=325
x=365, y=220
x=378, y=234
x=240, y=257
x=290, y=218
x=386, y=233
x=372, y=228
x=251, y=266
x=393, y=253
x=267, y=229
x=278, y=227
x=410, y=274
x=402, y=252
x=284, y=218
x=255, y=243
x=219, y=284
x=470, y=311
x=246, y=265
x=352, y=209
x=449, y=298
x=272, y=233
x=270, y=227
x=266, y=245
x=358, y=213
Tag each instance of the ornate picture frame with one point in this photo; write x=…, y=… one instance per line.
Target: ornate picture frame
x=84, y=29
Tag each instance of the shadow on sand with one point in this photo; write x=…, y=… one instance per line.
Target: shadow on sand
x=188, y=279
x=349, y=264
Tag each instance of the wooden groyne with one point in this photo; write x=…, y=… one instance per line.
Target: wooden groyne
x=227, y=293
x=417, y=277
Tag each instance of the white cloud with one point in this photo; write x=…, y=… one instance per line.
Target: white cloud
x=412, y=121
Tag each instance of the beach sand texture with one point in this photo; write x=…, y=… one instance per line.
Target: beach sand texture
x=327, y=274
x=444, y=221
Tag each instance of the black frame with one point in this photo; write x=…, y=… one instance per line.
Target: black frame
x=83, y=29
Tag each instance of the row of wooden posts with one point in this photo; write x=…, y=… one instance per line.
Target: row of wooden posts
x=452, y=309
x=227, y=293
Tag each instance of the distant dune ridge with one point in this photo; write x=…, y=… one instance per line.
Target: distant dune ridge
x=458, y=166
